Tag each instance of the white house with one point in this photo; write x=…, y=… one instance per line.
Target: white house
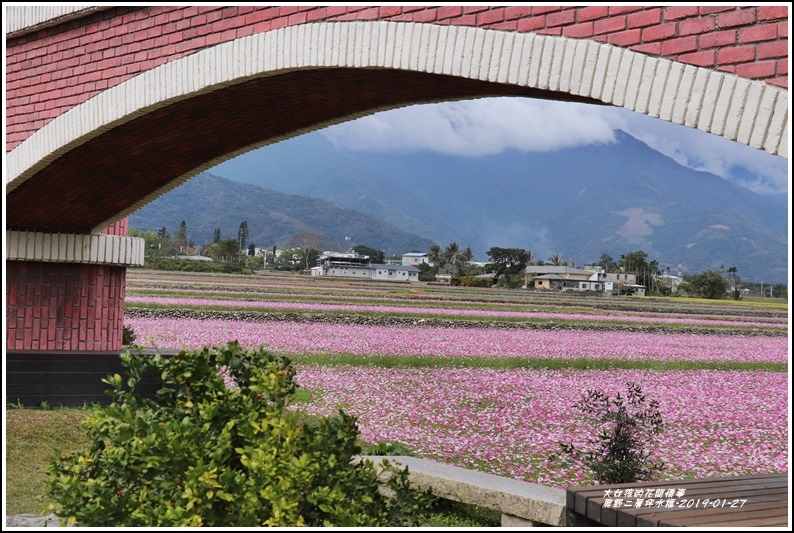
x=394, y=272
x=589, y=278
x=353, y=265
x=562, y=278
x=414, y=259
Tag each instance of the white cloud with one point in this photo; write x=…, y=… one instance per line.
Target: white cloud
x=490, y=125
x=474, y=128
x=707, y=152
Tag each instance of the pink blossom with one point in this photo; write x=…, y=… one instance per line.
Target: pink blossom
x=380, y=341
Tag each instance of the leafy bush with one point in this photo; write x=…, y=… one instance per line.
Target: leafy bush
x=208, y=454
x=471, y=281
x=710, y=284
x=511, y=281
x=128, y=337
x=389, y=448
x=621, y=453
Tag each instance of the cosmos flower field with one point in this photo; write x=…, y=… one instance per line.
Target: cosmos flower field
x=488, y=379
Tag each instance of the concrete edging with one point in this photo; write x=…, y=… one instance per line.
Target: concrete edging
x=514, y=498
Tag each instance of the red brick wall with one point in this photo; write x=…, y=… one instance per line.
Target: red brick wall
x=58, y=306
x=52, y=70
x=119, y=228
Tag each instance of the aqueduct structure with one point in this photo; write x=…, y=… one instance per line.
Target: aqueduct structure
x=108, y=108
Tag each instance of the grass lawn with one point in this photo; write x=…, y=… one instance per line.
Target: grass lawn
x=33, y=438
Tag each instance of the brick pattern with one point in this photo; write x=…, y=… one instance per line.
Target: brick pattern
x=200, y=130
x=50, y=71
x=119, y=228
x=58, y=306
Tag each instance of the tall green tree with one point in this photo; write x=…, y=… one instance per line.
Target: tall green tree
x=451, y=254
x=242, y=235
x=734, y=287
x=181, y=240
x=710, y=284
x=647, y=272
x=465, y=258
x=451, y=260
x=434, y=254
x=182, y=232
x=608, y=263
x=216, y=235
x=308, y=248
x=633, y=261
x=224, y=251
x=377, y=256
x=507, y=261
x=455, y=259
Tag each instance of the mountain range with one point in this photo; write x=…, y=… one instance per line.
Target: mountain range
x=207, y=202
x=579, y=203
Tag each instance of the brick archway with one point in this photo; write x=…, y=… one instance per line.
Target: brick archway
x=207, y=92
x=110, y=107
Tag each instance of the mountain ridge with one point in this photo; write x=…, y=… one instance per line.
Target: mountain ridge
x=208, y=201
x=612, y=197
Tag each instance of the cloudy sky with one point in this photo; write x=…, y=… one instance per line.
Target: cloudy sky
x=490, y=125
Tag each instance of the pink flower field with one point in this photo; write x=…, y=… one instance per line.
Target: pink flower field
x=439, y=311
x=508, y=421
x=502, y=420
x=379, y=341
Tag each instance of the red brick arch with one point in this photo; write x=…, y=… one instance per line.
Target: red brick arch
x=51, y=70
x=95, y=127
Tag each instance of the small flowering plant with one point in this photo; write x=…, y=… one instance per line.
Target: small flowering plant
x=629, y=428
x=206, y=454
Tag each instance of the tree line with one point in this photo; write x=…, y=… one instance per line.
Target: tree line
x=505, y=267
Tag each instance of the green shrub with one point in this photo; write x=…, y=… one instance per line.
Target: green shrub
x=210, y=452
x=128, y=337
x=511, y=281
x=471, y=281
x=621, y=452
x=389, y=448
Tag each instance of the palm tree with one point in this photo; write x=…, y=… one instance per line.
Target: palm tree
x=557, y=260
x=464, y=259
x=434, y=255
x=732, y=271
x=451, y=256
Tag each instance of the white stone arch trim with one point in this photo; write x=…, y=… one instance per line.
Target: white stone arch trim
x=748, y=111
x=113, y=250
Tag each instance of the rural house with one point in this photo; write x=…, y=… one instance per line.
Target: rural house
x=414, y=259
x=353, y=265
x=616, y=282
x=561, y=278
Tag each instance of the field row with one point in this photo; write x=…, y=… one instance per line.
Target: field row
x=426, y=366
x=508, y=421
x=438, y=342
x=310, y=289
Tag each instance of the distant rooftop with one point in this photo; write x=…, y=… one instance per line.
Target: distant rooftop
x=551, y=269
x=394, y=267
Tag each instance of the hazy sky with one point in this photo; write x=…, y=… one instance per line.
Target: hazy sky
x=491, y=125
